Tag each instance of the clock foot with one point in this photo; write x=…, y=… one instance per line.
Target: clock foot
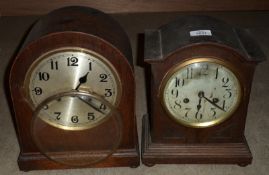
x=242, y=164
x=149, y=164
x=134, y=166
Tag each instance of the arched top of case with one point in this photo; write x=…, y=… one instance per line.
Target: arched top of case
x=85, y=20
x=190, y=30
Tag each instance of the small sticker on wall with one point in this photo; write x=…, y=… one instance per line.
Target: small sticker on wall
x=201, y=33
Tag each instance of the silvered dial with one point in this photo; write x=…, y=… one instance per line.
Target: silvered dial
x=201, y=93
x=73, y=69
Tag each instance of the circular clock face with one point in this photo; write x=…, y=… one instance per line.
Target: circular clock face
x=201, y=92
x=73, y=69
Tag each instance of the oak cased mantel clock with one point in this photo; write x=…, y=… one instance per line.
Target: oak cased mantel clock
x=72, y=89
x=199, y=76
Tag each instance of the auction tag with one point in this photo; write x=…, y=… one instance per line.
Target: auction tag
x=201, y=33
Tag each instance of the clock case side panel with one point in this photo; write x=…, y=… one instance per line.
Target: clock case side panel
x=40, y=41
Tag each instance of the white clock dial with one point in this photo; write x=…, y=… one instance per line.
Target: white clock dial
x=201, y=93
x=69, y=69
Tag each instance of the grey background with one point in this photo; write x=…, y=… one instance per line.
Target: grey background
x=12, y=30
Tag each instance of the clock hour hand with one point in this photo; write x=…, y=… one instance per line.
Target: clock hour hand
x=88, y=101
x=198, y=106
x=82, y=80
x=201, y=94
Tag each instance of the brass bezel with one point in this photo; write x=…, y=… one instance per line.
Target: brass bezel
x=74, y=49
x=179, y=66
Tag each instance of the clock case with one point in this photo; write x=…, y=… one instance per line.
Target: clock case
x=164, y=141
x=75, y=27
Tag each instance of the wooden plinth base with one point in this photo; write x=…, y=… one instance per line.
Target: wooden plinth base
x=211, y=153
x=36, y=161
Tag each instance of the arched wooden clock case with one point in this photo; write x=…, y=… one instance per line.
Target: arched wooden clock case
x=166, y=141
x=85, y=28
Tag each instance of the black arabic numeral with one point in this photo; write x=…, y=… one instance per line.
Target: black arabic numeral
x=38, y=90
x=102, y=107
x=213, y=110
x=103, y=77
x=74, y=119
x=217, y=73
x=72, y=61
x=225, y=81
x=187, y=111
x=57, y=115
x=189, y=72
x=174, y=92
x=228, y=93
x=91, y=116
x=90, y=66
x=177, y=104
x=108, y=93
x=200, y=116
x=204, y=70
x=223, y=105
x=177, y=82
x=43, y=76
x=54, y=65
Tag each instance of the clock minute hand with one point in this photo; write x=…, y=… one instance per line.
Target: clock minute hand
x=201, y=94
x=82, y=80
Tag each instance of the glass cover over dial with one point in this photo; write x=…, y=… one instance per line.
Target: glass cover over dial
x=76, y=69
x=80, y=147
x=200, y=92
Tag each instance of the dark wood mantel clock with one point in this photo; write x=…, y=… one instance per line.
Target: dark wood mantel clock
x=200, y=73
x=72, y=88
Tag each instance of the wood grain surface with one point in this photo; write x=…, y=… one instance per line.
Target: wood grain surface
x=32, y=7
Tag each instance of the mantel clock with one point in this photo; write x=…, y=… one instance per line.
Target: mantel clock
x=200, y=72
x=72, y=89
